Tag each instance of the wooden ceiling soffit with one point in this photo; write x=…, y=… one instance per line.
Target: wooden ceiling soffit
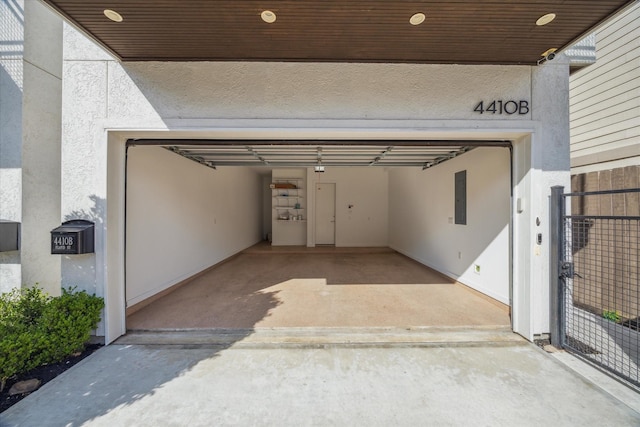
x=460, y=32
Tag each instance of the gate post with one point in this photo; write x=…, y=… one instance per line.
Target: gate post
x=556, y=254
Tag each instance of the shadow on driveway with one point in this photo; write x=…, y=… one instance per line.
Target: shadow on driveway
x=456, y=385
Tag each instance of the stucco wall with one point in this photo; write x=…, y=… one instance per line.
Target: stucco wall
x=312, y=91
x=549, y=166
x=11, y=75
x=41, y=146
x=30, y=102
x=160, y=91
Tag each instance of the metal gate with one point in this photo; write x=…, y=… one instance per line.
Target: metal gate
x=595, y=295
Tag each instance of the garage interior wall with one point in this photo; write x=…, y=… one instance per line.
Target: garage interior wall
x=266, y=205
x=183, y=217
x=421, y=225
x=366, y=222
x=174, y=204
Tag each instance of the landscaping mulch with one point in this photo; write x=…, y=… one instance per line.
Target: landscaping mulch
x=44, y=373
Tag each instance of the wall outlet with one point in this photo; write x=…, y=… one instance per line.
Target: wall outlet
x=476, y=268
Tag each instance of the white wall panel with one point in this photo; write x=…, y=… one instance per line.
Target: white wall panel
x=421, y=224
x=366, y=191
x=183, y=217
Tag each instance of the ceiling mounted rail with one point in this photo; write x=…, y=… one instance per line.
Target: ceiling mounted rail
x=319, y=154
x=323, y=142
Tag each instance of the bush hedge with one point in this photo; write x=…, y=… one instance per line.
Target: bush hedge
x=36, y=329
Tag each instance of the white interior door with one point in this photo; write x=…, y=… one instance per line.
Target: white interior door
x=325, y=214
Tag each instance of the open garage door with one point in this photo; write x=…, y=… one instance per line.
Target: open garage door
x=311, y=153
x=183, y=218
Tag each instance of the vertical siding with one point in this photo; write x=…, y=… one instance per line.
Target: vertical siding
x=605, y=97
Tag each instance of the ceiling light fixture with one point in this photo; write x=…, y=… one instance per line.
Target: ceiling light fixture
x=319, y=168
x=268, y=16
x=417, y=18
x=113, y=15
x=545, y=19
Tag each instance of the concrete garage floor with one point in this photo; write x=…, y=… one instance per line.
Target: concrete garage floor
x=272, y=287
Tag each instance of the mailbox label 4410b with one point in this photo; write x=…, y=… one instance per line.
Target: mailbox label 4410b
x=63, y=243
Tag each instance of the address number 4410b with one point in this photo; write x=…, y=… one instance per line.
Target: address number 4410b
x=503, y=107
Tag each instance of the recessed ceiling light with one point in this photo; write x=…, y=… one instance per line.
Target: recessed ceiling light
x=268, y=16
x=417, y=19
x=113, y=15
x=545, y=19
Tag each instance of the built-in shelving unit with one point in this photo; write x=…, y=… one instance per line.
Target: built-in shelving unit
x=288, y=199
x=289, y=214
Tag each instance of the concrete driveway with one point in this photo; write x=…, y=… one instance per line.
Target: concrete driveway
x=462, y=383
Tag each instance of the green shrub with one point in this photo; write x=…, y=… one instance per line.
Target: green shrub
x=19, y=314
x=612, y=315
x=24, y=307
x=36, y=329
x=16, y=351
x=67, y=321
